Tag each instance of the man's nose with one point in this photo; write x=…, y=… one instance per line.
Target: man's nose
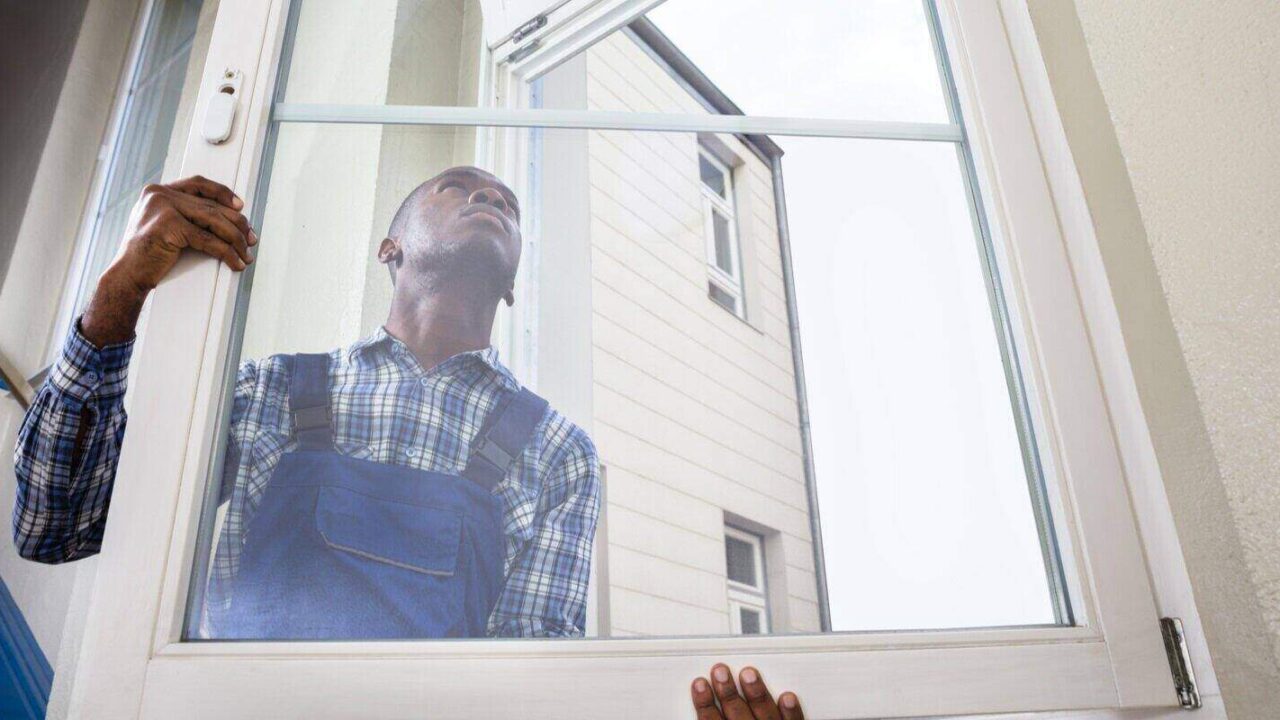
x=489, y=196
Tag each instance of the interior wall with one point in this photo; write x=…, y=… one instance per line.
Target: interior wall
x=334, y=188
x=36, y=41
x=1170, y=111
x=54, y=197
x=431, y=63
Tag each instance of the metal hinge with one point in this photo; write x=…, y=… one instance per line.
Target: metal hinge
x=1184, y=678
x=528, y=29
x=522, y=53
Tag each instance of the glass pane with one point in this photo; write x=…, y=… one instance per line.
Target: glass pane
x=812, y=58
x=925, y=497
x=750, y=621
x=722, y=297
x=740, y=559
x=918, y=456
x=171, y=32
x=145, y=137
x=385, y=52
x=724, y=248
x=855, y=60
x=711, y=175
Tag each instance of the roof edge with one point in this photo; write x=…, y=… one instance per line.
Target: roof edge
x=697, y=81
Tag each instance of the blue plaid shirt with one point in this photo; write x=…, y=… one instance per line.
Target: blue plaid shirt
x=386, y=409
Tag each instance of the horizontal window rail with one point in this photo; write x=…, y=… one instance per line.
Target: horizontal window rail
x=600, y=120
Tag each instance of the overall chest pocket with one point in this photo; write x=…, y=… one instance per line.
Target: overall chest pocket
x=419, y=539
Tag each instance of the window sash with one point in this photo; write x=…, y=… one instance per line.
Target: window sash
x=726, y=175
x=733, y=276
x=132, y=663
x=736, y=607
x=729, y=280
x=756, y=543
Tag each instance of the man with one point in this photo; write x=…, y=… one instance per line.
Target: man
x=452, y=251
x=404, y=486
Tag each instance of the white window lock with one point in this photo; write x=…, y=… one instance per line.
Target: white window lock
x=220, y=115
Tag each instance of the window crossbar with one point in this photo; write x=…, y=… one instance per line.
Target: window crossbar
x=601, y=120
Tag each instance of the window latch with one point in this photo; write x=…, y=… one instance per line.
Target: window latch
x=1184, y=678
x=220, y=115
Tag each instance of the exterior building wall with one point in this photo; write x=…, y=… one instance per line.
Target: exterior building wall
x=695, y=409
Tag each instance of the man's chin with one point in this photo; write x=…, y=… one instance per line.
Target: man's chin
x=479, y=254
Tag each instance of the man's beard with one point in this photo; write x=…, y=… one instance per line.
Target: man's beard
x=475, y=267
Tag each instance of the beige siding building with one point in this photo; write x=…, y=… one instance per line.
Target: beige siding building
x=695, y=408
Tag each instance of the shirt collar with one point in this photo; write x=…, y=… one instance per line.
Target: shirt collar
x=381, y=342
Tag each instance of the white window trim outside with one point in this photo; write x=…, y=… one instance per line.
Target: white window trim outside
x=133, y=664
x=729, y=282
x=742, y=595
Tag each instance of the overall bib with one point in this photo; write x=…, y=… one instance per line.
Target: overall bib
x=347, y=548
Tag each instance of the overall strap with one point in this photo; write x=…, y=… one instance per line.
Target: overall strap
x=505, y=433
x=309, y=401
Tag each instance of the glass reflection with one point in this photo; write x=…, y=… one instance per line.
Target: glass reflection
x=387, y=474
x=688, y=402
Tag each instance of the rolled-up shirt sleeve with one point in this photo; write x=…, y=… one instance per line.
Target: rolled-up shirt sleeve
x=546, y=589
x=67, y=451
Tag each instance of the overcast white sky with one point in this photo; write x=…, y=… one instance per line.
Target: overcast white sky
x=924, y=504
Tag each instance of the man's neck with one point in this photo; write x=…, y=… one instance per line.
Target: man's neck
x=436, y=326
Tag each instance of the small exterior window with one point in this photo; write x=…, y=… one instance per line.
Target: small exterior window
x=744, y=569
x=724, y=265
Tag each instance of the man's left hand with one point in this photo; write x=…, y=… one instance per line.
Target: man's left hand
x=755, y=702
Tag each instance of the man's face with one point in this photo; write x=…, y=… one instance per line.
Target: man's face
x=463, y=224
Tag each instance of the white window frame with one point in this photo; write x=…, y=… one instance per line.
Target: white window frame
x=729, y=282
x=741, y=595
x=133, y=664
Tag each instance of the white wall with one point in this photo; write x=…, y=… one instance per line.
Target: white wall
x=1171, y=113
x=694, y=409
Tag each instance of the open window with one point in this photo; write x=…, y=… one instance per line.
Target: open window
x=951, y=523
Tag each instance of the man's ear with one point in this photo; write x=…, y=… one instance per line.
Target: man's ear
x=509, y=298
x=389, y=251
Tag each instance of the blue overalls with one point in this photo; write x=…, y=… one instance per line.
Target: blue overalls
x=346, y=548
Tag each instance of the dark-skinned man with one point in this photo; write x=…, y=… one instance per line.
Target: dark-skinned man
x=403, y=486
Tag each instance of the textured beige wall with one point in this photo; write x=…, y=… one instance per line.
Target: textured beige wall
x=1171, y=112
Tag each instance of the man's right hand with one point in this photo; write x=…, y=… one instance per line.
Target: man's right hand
x=195, y=213
x=755, y=702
